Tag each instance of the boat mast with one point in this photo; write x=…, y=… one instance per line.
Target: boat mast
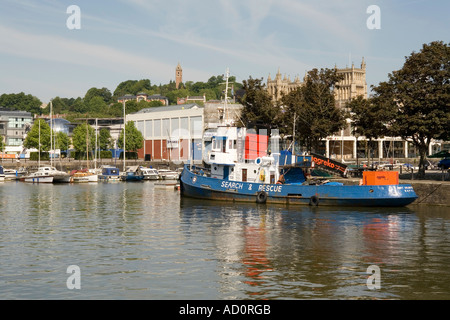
x=226, y=97
x=87, y=143
x=293, y=134
x=124, y=145
x=95, y=154
x=227, y=121
x=39, y=142
x=51, y=133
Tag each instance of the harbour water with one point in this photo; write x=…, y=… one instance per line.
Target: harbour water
x=138, y=241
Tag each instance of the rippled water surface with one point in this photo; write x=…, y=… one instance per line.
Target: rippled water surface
x=138, y=241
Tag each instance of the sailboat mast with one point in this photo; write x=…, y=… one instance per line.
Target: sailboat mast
x=124, y=144
x=226, y=97
x=95, y=154
x=39, y=142
x=87, y=143
x=51, y=133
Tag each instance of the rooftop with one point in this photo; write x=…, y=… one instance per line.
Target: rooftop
x=170, y=108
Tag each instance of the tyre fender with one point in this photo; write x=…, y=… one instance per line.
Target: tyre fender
x=314, y=201
x=261, y=197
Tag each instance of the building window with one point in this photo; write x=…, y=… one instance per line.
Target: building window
x=148, y=129
x=196, y=126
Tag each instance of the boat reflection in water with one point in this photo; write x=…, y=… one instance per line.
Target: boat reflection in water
x=276, y=251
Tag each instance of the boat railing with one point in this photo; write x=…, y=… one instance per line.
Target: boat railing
x=201, y=171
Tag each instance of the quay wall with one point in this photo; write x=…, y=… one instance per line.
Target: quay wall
x=432, y=193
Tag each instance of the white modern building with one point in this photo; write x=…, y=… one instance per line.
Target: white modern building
x=172, y=133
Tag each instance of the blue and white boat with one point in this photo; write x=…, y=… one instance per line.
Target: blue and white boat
x=2, y=174
x=233, y=176
x=109, y=174
x=132, y=174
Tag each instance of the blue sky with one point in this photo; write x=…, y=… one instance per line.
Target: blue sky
x=137, y=39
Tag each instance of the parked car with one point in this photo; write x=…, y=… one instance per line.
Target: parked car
x=429, y=165
x=444, y=163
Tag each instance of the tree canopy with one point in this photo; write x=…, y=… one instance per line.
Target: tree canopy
x=314, y=109
x=134, y=139
x=21, y=101
x=418, y=96
x=258, y=106
x=39, y=136
x=83, y=138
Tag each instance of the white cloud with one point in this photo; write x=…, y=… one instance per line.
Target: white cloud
x=74, y=52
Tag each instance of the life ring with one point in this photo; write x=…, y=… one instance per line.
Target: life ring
x=281, y=180
x=262, y=175
x=314, y=201
x=261, y=197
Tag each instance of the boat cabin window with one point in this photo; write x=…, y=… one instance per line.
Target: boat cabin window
x=231, y=144
x=220, y=143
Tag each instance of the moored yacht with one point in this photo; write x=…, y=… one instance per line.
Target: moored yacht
x=167, y=174
x=150, y=173
x=47, y=174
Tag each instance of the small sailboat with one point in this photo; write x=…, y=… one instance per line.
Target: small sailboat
x=85, y=175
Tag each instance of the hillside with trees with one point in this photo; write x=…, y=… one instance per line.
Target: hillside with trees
x=102, y=102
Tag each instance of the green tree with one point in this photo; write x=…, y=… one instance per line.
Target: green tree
x=83, y=134
x=419, y=96
x=369, y=118
x=96, y=105
x=130, y=107
x=104, y=139
x=103, y=93
x=314, y=109
x=258, y=106
x=133, y=138
x=132, y=87
x=62, y=141
x=2, y=144
x=39, y=136
x=58, y=106
x=78, y=106
x=21, y=101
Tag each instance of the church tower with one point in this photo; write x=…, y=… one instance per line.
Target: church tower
x=178, y=76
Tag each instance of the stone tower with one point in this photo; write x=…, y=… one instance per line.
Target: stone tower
x=352, y=85
x=178, y=75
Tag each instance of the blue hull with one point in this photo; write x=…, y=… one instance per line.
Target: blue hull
x=132, y=178
x=197, y=186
